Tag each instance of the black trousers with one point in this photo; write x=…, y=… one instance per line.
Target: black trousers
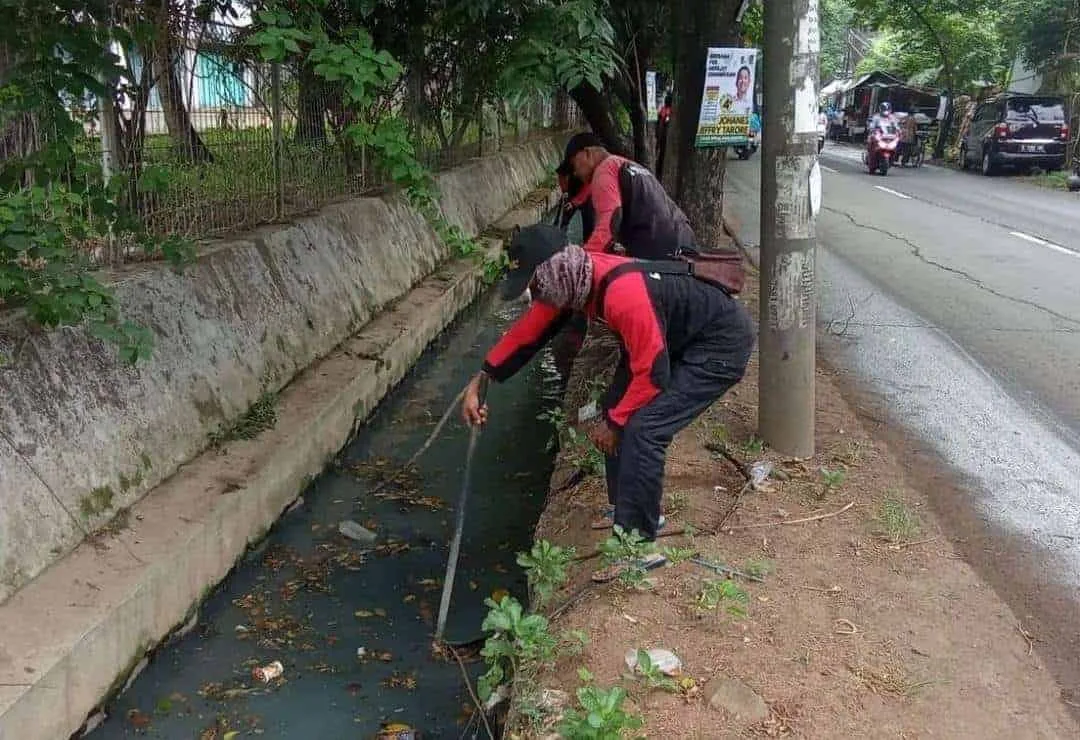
x=700, y=375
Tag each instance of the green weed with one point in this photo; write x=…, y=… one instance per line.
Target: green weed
x=651, y=675
x=758, y=567
x=599, y=715
x=262, y=415
x=545, y=566
x=627, y=548
x=832, y=479
x=896, y=522
x=725, y=595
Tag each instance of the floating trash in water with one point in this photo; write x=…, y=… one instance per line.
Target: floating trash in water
x=398, y=731
x=268, y=673
x=354, y=531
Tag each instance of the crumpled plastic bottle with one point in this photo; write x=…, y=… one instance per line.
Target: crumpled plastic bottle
x=760, y=472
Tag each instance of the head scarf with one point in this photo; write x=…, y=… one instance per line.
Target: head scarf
x=565, y=280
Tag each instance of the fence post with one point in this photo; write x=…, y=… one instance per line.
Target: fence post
x=279, y=174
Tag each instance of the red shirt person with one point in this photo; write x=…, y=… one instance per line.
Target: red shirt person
x=685, y=344
x=631, y=206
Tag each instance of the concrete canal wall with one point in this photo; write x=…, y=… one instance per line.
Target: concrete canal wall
x=328, y=312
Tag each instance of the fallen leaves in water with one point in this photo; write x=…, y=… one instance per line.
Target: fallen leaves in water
x=391, y=548
x=138, y=719
x=430, y=584
x=397, y=680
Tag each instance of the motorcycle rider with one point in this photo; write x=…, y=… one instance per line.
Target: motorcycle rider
x=883, y=119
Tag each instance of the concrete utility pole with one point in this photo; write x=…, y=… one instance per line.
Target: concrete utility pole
x=790, y=199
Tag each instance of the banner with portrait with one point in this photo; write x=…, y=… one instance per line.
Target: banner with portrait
x=728, y=99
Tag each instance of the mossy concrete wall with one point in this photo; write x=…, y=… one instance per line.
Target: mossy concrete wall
x=83, y=436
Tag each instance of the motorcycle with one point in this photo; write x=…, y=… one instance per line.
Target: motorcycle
x=753, y=142
x=881, y=152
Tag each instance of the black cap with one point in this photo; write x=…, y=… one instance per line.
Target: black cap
x=530, y=248
x=578, y=143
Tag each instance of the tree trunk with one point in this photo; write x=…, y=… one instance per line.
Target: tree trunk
x=188, y=144
x=311, y=109
x=631, y=97
x=698, y=183
x=598, y=114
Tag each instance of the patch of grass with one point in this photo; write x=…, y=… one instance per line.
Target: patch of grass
x=758, y=567
x=98, y=501
x=725, y=595
x=832, y=479
x=262, y=415
x=1051, y=180
x=676, y=555
x=896, y=522
x=677, y=502
x=753, y=446
x=720, y=434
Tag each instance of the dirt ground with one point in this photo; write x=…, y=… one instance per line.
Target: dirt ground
x=867, y=622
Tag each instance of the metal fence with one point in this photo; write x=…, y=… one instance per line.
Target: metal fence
x=243, y=165
x=220, y=142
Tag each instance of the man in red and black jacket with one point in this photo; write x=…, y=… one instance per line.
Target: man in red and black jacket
x=685, y=343
x=632, y=208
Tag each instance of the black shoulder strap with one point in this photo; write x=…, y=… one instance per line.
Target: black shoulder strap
x=663, y=267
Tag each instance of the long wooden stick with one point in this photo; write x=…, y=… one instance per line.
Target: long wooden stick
x=472, y=694
x=803, y=520
x=431, y=438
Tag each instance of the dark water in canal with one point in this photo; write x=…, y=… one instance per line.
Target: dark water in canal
x=312, y=599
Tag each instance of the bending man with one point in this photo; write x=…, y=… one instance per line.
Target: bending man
x=685, y=344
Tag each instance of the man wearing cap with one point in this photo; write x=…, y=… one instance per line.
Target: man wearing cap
x=632, y=208
x=685, y=342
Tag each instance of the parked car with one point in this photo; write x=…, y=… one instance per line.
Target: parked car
x=1021, y=131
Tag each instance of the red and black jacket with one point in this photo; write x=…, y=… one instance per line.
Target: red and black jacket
x=655, y=316
x=633, y=209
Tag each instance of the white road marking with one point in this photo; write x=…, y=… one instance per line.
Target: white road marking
x=1043, y=243
x=827, y=169
x=892, y=192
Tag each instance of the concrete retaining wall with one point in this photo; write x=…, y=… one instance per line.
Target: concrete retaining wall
x=73, y=634
x=82, y=436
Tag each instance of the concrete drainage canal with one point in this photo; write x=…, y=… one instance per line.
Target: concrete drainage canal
x=351, y=622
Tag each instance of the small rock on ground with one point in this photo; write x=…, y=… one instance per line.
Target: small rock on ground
x=736, y=698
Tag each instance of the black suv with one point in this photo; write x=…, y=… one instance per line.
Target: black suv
x=1022, y=131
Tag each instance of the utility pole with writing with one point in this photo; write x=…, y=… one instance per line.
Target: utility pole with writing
x=790, y=199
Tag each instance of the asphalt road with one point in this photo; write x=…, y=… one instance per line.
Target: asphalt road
x=994, y=263
x=950, y=305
